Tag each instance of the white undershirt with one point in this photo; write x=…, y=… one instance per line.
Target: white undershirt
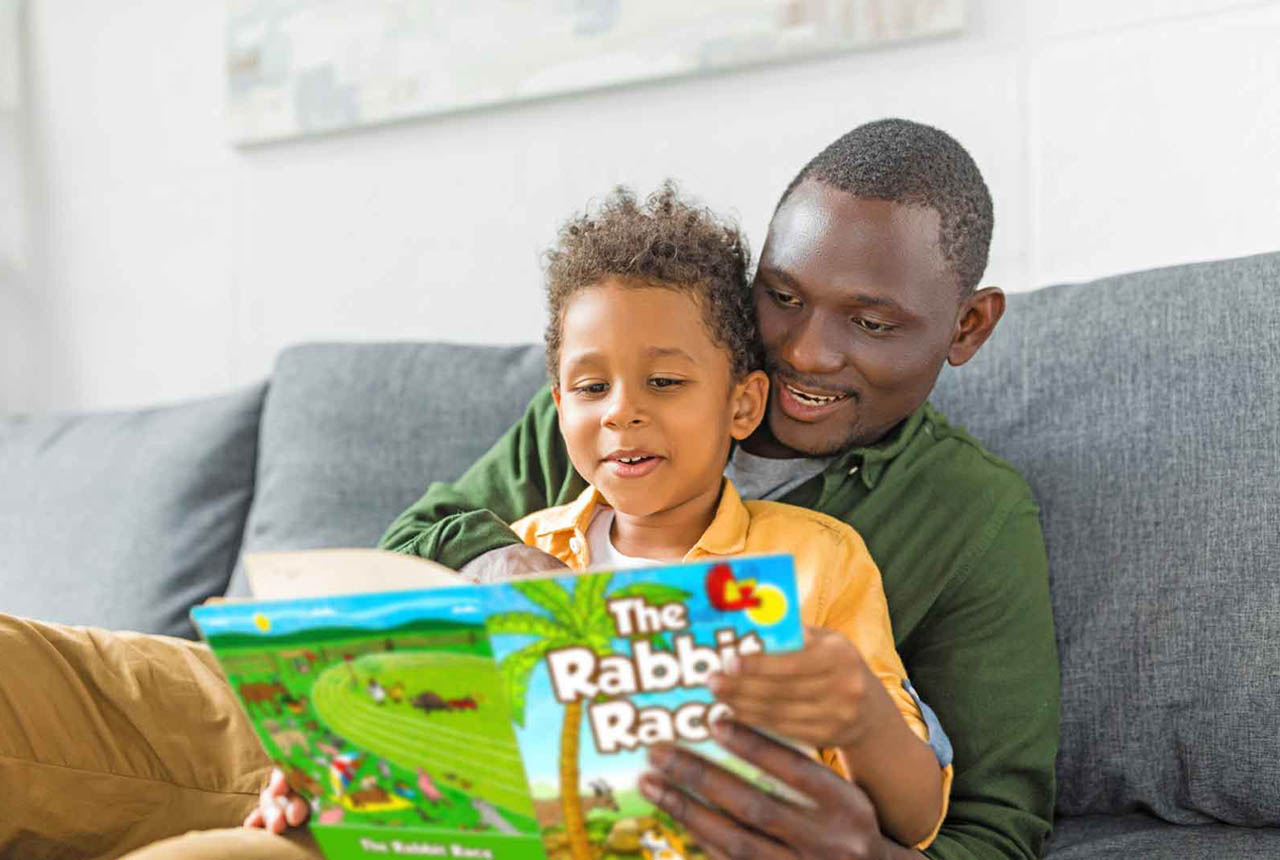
x=603, y=553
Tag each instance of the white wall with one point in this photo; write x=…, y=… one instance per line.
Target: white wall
x=1114, y=136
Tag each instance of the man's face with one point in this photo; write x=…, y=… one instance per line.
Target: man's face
x=858, y=310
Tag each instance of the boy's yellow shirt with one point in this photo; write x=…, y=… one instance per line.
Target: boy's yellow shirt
x=838, y=582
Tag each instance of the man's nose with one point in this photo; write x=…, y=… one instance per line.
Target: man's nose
x=813, y=346
x=623, y=410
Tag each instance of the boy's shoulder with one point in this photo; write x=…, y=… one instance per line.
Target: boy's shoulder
x=780, y=527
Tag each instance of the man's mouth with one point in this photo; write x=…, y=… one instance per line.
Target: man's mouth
x=811, y=398
x=809, y=404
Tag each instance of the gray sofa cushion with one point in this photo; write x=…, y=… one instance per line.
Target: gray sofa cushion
x=1098, y=837
x=353, y=433
x=124, y=520
x=1144, y=411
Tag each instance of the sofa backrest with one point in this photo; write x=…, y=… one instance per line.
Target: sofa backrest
x=1144, y=410
x=125, y=519
x=353, y=433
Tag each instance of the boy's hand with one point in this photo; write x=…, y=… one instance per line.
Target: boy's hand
x=278, y=807
x=824, y=694
x=509, y=562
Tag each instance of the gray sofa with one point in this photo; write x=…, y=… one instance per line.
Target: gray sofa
x=1143, y=409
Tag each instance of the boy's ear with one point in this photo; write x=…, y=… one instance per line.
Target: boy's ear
x=749, y=398
x=555, y=395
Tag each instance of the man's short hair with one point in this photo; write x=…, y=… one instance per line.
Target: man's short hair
x=917, y=165
x=664, y=241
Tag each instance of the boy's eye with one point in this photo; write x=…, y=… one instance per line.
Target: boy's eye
x=591, y=388
x=785, y=299
x=872, y=326
x=665, y=382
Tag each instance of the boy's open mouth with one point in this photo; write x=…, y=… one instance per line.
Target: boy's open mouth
x=632, y=463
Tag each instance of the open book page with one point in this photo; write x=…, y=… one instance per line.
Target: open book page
x=326, y=572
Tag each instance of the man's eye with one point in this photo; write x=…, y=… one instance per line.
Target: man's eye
x=665, y=382
x=872, y=326
x=785, y=299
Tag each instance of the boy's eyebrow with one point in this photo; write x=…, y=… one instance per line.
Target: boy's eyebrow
x=668, y=352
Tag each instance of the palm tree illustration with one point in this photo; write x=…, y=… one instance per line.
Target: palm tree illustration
x=580, y=619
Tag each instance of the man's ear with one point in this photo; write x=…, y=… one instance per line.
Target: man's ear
x=749, y=398
x=978, y=317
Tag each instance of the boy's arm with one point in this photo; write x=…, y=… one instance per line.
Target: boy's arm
x=528, y=469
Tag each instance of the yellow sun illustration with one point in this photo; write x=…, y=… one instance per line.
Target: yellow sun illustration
x=262, y=622
x=773, y=606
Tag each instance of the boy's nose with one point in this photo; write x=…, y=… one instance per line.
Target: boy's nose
x=623, y=412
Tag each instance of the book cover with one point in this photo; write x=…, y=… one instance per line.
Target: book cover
x=504, y=721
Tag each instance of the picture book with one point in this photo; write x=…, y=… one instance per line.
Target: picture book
x=507, y=721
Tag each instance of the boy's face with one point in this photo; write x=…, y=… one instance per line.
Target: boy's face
x=647, y=399
x=858, y=310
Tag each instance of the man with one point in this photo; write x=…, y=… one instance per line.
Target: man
x=867, y=285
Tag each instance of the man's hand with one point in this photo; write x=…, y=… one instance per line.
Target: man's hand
x=509, y=562
x=824, y=694
x=278, y=807
x=733, y=820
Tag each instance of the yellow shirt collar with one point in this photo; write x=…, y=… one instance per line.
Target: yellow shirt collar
x=727, y=534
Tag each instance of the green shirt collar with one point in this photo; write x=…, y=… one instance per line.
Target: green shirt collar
x=870, y=461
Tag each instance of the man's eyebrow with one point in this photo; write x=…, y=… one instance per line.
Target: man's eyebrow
x=851, y=298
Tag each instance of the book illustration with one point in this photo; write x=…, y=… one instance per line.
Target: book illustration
x=610, y=663
x=386, y=712
x=504, y=721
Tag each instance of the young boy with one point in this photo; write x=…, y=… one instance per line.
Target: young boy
x=655, y=369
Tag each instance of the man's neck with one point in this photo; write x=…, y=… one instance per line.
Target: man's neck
x=668, y=534
x=762, y=443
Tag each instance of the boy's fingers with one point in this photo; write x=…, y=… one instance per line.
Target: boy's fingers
x=732, y=689
x=275, y=819
x=788, y=664
x=798, y=711
x=296, y=812
x=276, y=785
x=254, y=819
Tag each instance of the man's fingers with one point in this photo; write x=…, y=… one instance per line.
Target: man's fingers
x=789, y=765
x=764, y=812
x=718, y=835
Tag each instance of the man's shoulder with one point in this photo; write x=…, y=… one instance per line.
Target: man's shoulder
x=964, y=472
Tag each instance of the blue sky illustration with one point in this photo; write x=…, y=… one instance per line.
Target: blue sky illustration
x=368, y=611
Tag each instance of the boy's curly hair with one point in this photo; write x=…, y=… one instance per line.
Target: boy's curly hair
x=665, y=241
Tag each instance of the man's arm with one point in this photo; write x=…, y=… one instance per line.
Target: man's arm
x=528, y=469
x=990, y=664
x=986, y=661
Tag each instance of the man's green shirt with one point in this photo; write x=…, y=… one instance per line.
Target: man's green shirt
x=957, y=538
